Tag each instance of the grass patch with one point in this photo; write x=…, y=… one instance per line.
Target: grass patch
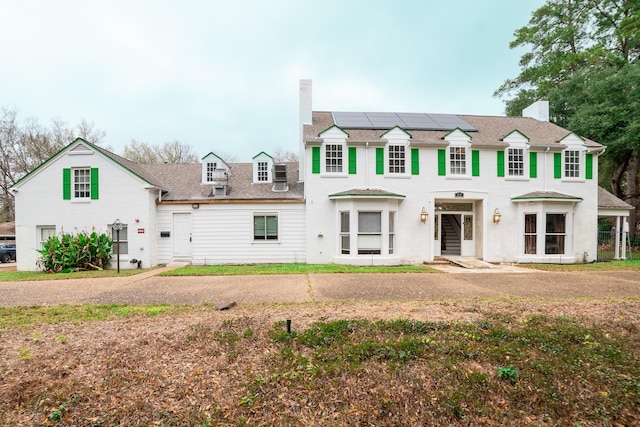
x=30, y=316
x=258, y=269
x=22, y=276
x=595, y=266
x=520, y=369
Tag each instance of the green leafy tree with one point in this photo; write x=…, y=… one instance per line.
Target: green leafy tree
x=583, y=56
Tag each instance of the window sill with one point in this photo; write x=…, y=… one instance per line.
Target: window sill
x=334, y=175
x=573, y=180
x=517, y=178
x=462, y=177
x=265, y=242
x=397, y=176
x=81, y=201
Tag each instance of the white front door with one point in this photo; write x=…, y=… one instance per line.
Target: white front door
x=182, y=239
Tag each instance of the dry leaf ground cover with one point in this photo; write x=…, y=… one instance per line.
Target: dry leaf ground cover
x=457, y=362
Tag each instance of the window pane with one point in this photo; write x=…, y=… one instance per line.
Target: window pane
x=516, y=162
x=369, y=222
x=396, y=159
x=258, y=227
x=344, y=222
x=572, y=164
x=530, y=237
x=333, y=158
x=458, y=160
x=555, y=234
x=345, y=243
x=391, y=222
x=82, y=183
x=263, y=171
x=272, y=227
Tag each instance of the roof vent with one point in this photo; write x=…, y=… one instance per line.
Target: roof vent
x=220, y=190
x=280, y=178
x=220, y=176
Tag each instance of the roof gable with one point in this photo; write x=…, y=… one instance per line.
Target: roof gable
x=515, y=136
x=82, y=146
x=396, y=132
x=334, y=131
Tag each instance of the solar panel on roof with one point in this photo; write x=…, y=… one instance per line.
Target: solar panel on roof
x=408, y=121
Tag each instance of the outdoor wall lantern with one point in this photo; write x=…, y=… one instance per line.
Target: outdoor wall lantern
x=497, y=216
x=423, y=215
x=195, y=205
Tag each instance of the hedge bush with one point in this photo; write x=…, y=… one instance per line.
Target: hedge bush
x=75, y=252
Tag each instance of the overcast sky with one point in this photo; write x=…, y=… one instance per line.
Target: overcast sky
x=223, y=76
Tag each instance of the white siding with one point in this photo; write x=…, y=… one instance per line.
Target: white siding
x=122, y=195
x=223, y=233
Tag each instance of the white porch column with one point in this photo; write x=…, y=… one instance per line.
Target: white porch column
x=616, y=253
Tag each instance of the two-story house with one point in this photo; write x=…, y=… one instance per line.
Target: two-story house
x=370, y=188
x=398, y=188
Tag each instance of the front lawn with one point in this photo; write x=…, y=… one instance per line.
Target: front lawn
x=253, y=269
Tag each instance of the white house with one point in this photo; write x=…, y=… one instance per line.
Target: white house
x=204, y=213
x=398, y=188
x=370, y=188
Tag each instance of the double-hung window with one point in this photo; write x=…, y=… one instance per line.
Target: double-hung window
x=333, y=158
x=120, y=239
x=369, y=233
x=345, y=235
x=530, y=234
x=458, y=160
x=82, y=183
x=515, y=161
x=555, y=234
x=265, y=227
x=397, y=159
x=572, y=164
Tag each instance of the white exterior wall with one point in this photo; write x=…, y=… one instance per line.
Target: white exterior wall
x=123, y=196
x=223, y=233
x=502, y=242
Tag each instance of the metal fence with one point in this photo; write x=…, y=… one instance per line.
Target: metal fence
x=628, y=246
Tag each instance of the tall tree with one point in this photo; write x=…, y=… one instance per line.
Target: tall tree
x=169, y=152
x=583, y=57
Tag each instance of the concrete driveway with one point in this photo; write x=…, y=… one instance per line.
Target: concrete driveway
x=147, y=287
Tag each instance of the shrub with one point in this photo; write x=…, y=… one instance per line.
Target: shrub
x=78, y=252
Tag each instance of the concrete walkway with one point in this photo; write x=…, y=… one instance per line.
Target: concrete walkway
x=148, y=287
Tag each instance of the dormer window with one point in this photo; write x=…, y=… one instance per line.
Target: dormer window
x=214, y=170
x=574, y=163
x=263, y=171
x=262, y=168
x=211, y=167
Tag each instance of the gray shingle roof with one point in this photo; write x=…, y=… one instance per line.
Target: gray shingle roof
x=546, y=195
x=491, y=130
x=184, y=183
x=366, y=192
x=608, y=200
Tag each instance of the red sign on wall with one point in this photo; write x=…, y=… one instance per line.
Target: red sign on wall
x=140, y=230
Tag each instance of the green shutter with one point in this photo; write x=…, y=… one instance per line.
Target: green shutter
x=415, y=161
x=66, y=184
x=315, y=159
x=352, y=160
x=379, y=161
x=94, y=183
x=589, y=166
x=442, y=162
x=475, y=163
x=500, y=163
x=533, y=165
x=557, y=165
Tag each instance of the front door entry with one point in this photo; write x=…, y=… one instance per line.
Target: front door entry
x=182, y=239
